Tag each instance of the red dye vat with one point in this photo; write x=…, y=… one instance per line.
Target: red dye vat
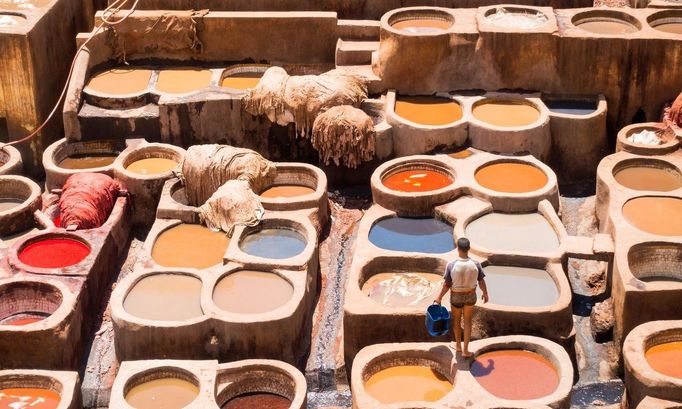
x=25, y=321
x=420, y=180
x=54, y=253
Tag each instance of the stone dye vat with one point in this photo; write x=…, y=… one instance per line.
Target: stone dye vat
x=189, y=246
x=235, y=292
x=120, y=81
x=421, y=235
x=397, y=288
x=426, y=110
x=242, y=77
x=430, y=375
x=606, y=22
x=654, y=214
x=521, y=286
x=416, y=180
x=519, y=18
x=652, y=355
x=165, y=297
x=169, y=392
x=666, y=141
x=507, y=114
x=648, y=175
x=571, y=107
x=54, y=251
x=38, y=389
x=511, y=177
x=669, y=22
x=10, y=161
x=19, y=199
x=422, y=21
x=513, y=233
x=276, y=243
x=182, y=80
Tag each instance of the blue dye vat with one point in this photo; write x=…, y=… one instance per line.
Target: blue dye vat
x=423, y=235
x=273, y=243
x=572, y=107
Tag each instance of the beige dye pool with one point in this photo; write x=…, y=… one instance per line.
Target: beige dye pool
x=165, y=297
x=403, y=289
x=610, y=26
x=88, y=161
x=406, y=383
x=673, y=28
x=648, y=178
x=252, y=292
x=8, y=203
x=152, y=166
x=427, y=110
x=520, y=286
x=525, y=232
x=422, y=25
x=190, y=245
x=655, y=215
x=121, y=81
x=167, y=393
x=506, y=114
x=183, y=80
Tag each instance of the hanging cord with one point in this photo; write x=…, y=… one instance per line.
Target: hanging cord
x=110, y=11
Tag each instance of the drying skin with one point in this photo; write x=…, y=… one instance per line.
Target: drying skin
x=515, y=374
x=167, y=393
x=655, y=215
x=165, y=297
x=579, y=108
x=9, y=203
x=506, y=114
x=121, y=81
x=414, y=290
x=648, y=178
x=424, y=235
x=252, y=292
x=152, y=166
x=511, y=177
x=28, y=398
x=283, y=191
x=54, y=253
x=273, y=243
x=407, y=383
x=183, y=80
x=433, y=111
x=520, y=286
x=190, y=245
x=608, y=27
x=242, y=80
x=526, y=233
x=88, y=161
x=419, y=180
x=666, y=358
x=422, y=25
x=673, y=28
x=258, y=400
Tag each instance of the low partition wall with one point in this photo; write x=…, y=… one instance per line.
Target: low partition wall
x=10, y=161
x=21, y=388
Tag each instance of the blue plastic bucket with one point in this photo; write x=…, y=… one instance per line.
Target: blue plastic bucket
x=437, y=320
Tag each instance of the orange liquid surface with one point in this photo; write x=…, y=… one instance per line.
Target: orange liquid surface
x=656, y=215
x=190, y=245
x=666, y=358
x=286, y=191
x=29, y=398
x=511, y=177
x=432, y=111
x=407, y=383
x=419, y=180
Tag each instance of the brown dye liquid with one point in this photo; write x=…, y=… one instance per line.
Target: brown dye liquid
x=673, y=28
x=260, y=400
x=242, y=80
x=286, y=191
x=506, y=113
x=183, y=80
x=29, y=398
x=121, y=81
x=655, y=215
x=407, y=383
x=432, y=111
x=666, y=358
x=608, y=27
x=190, y=245
x=252, y=292
x=88, y=161
x=165, y=297
x=9, y=203
x=418, y=25
x=23, y=4
x=166, y=393
x=403, y=289
x=152, y=166
x=511, y=177
x=648, y=178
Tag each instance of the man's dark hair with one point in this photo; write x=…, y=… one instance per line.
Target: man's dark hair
x=463, y=244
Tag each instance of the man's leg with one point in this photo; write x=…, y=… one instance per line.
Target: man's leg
x=457, y=327
x=468, y=313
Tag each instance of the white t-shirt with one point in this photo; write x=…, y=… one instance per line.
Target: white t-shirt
x=463, y=273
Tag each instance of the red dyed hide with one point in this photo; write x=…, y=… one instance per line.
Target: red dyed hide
x=87, y=200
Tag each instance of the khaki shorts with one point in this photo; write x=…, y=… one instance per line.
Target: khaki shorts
x=460, y=299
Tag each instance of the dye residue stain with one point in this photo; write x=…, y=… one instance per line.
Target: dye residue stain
x=422, y=25
x=258, y=400
x=242, y=80
x=393, y=289
x=9, y=203
x=284, y=191
x=655, y=215
x=506, y=113
x=121, y=81
x=666, y=358
x=520, y=286
x=273, y=243
x=613, y=27
x=166, y=393
x=183, y=80
x=165, y=297
x=526, y=232
x=579, y=108
x=407, y=383
x=419, y=180
x=424, y=235
x=191, y=246
x=433, y=111
x=28, y=398
x=252, y=292
x=88, y=161
x=515, y=374
x=648, y=178
x=511, y=177
x=54, y=253
x=152, y=166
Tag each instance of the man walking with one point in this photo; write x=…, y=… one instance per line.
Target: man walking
x=461, y=277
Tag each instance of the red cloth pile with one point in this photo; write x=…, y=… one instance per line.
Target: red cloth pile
x=675, y=112
x=87, y=200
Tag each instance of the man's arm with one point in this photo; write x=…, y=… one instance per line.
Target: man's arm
x=447, y=283
x=484, y=290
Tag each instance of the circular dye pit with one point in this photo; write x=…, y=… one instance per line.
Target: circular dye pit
x=655, y=215
x=152, y=166
x=424, y=235
x=511, y=177
x=426, y=110
x=672, y=28
x=407, y=383
x=507, y=114
x=54, y=253
x=275, y=243
x=517, y=18
x=252, y=292
x=285, y=191
x=121, y=81
x=29, y=398
x=526, y=233
x=183, y=80
x=165, y=297
x=578, y=108
x=10, y=20
x=611, y=25
x=422, y=25
x=242, y=80
x=652, y=178
x=416, y=180
x=23, y=4
x=167, y=393
x=88, y=160
x=258, y=400
x=666, y=358
x=190, y=246
x=656, y=262
x=515, y=374
x=9, y=203
x=520, y=286
x=402, y=289
x=24, y=319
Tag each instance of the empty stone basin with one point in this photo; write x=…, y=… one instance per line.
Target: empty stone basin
x=511, y=177
x=648, y=174
x=428, y=110
x=11, y=19
x=520, y=286
x=242, y=77
x=411, y=289
x=609, y=22
x=120, y=81
x=655, y=215
x=406, y=383
x=516, y=17
x=424, y=235
x=417, y=177
x=571, y=107
x=668, y=21
x=515, y=374
x=190, y=246
x=666, y=358
x=54, y=251
x=506, y=113
x=165, y=297
x=27, y=302
x=168, y=388
x=252, y=292
x=524, y=232
x=259, y=384
x=274, y=243
x=183, y=80
x=424, y=21
x=656, y=262
x=254, y=400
